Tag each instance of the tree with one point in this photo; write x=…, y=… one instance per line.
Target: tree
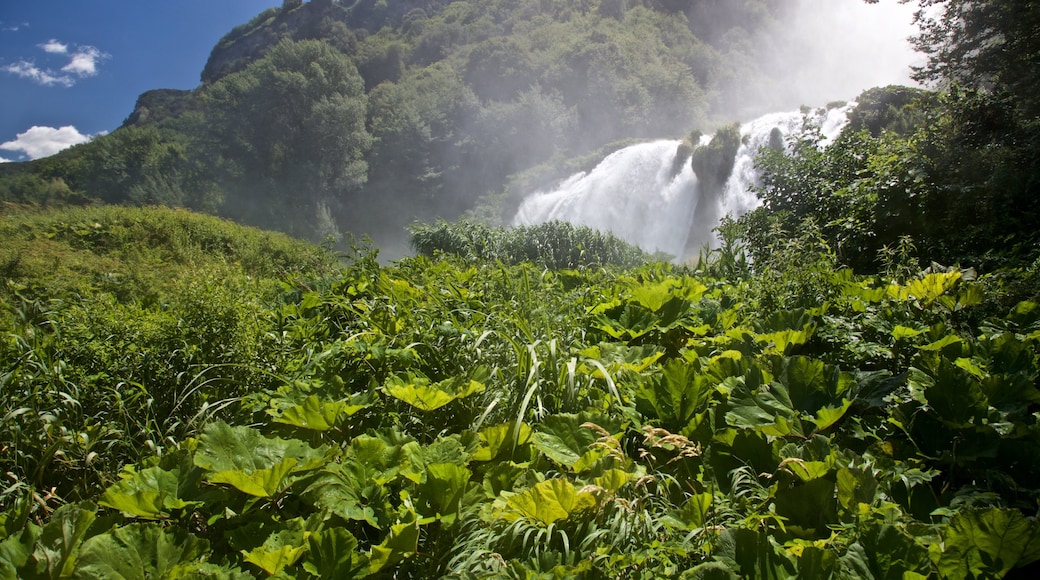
x=982, y=44
x=289, y=133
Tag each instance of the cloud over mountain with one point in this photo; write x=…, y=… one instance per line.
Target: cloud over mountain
x=82, y=63
x=40, y=142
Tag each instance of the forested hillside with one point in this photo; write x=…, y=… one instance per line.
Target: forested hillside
x=321, y=117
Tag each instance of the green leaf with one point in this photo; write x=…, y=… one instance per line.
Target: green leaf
x=16, y=549
x=59, y=542
x=674, y=396
x=932, y=286
x=225, y=448
x=901, y=332
x=809, y=507
x=151, y=493
x=441, y=493
x=332, y=554
x=612, y=479
x=753, y=555
x=563, y=439
x=828, y=416
x=886, y=551
x=694, y=513
x=140, y=552
x=259, y=482
x=986, y=542
x=319, y=415
x=955, y=394
x=386, y=455
x=274, y=560
x=350, y=491
x=402, y=542
x=547, y=502
x=418, y=391
x=498, y=440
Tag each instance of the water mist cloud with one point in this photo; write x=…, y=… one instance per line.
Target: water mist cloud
x=835, y=49
x=824, y=51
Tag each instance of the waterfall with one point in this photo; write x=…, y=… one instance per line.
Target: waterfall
x=637, y=194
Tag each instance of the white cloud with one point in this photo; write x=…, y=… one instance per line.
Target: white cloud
x=40, y=142
x=2, y=160
x=47, y=78
x=53, y=46
x=83, y=63
x=8, y=27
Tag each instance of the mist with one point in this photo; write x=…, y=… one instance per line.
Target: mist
x=828, y=50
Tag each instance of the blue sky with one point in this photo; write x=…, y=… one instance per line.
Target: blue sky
x=70, y=69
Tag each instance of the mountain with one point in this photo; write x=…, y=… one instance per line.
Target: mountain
x=325, y=117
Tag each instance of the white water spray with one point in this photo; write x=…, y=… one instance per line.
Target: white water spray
x=637, y=194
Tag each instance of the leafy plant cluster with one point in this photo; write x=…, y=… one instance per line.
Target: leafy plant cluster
x=555, y=245
x=447, y=418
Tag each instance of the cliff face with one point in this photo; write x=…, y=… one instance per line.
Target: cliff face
x=155, y=105
x=335, y=22
x=251, y=41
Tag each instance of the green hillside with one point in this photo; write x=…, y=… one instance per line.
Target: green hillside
x=412, y=110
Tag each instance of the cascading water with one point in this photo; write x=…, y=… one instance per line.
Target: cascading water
x=638, y=195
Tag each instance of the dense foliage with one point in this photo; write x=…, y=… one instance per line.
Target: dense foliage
x=554, y=245
x=438, y=418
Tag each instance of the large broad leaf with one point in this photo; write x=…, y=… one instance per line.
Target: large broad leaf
x=280, y=550
x=986, y=543
x=785, y=329
x=548, y=501
x=16, y=550
x=809, y=508
x=753, y=555
x=500, y=441
x=256, y=465
x=932, y=286
x=563, y=439
x=616, y=355
x=59, y=542
x=627, y=322
x=674, y=396
x=387, y=454
x=694, y=513
x=320, y=415
x=350, y=491
x=954, y=393
x=885, y=551
x=333, y=554
x=440, y=495
x=655, y=295
x=811, y=384
x=259, y=482
x=151, y=493
x=401, y=543
x=140, y=552
x=421, y=393
x=226, y=448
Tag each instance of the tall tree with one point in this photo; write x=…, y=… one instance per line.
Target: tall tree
x=291, y=127
x=983, y=44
